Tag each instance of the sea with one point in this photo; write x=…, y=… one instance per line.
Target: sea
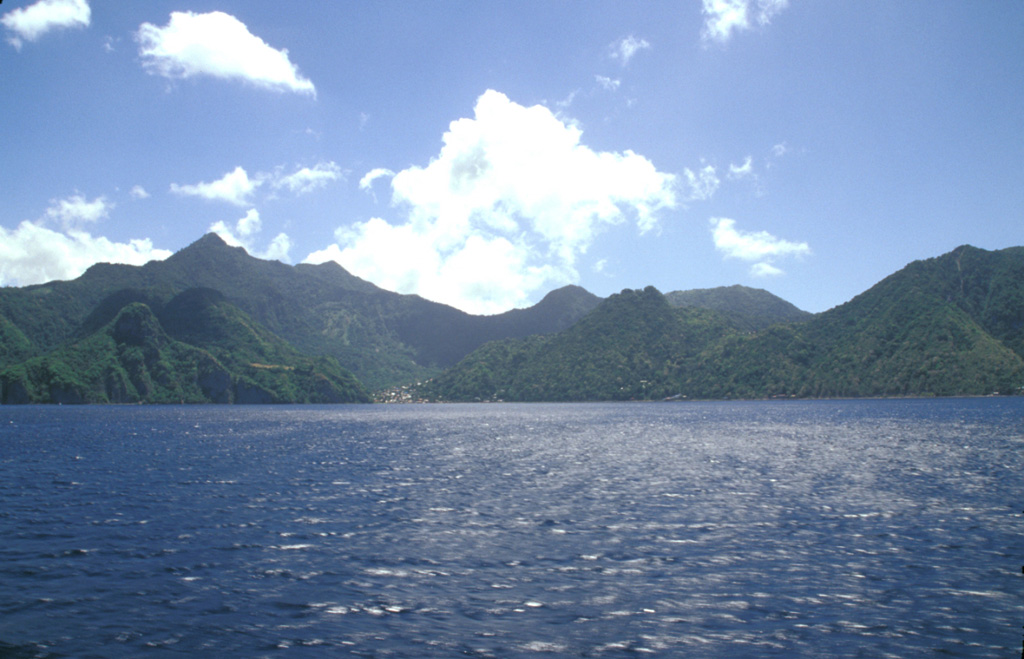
x=855, y=528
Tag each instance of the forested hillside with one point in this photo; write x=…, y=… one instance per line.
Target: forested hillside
x=747, y=308
x=212, y=323
x=382, y=337
x=199, y=349
x=953, y=325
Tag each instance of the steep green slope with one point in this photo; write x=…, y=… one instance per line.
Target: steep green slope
x=949, y=325
x=212, y=352
x=130, y=359
x=946, y=326
x=987, y=285
x=748, y=308
x=14, y=345
x=381, y=336
x=953, y=324
x=633, y=346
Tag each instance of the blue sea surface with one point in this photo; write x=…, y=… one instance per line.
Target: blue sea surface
x=882, y=528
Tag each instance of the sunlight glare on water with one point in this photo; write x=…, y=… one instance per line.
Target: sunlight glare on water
x=850, y=528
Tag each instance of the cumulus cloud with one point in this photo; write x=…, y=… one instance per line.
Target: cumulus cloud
x=723, y=17
x=31, y=22
x=308, y=179
x=244, y=233
x=759, y=247
x=34, y=254
x=609, y=84
x=506, y=208
x=76, y=210
x=219, y=45
x=624, y=49
x=235, y=187
x=139, y=192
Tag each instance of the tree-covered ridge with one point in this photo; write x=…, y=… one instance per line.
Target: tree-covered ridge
x=218, y=324
x=14, y=345
x=633, y=346
x=205, y=350
x=382, y=337
x=953, y=325
x=748, y=308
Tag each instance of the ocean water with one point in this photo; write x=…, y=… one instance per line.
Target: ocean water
x=819, y=528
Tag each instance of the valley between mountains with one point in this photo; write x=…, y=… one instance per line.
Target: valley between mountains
x=214, y=324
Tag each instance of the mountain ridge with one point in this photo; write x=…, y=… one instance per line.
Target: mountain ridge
x=383, y=337
x=202, y=350
x=950, y=325
x=751, y=308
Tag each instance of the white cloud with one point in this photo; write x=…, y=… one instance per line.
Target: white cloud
x=139, y=192
x=766, y=10
x=308, y=179
x=235, y=187
x=33, y=254
x=366, y=183
x=742, y=171
x=567, y=102
x=505, y=209
x=624, y=49
x=218, y=45
x=722, y=17
x=702, y=184
x=780, y=150
x=609, y=84
x=31, y=22
x=75, y=210
x=746, y=172
x=765, y=269
x=244, y=234
x=760, y=247
x=278, y=248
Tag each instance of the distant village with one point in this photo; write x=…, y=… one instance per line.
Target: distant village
x=403, y=394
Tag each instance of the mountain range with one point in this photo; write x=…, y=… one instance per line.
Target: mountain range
x=380, y=338
x=214, y=324
x=952, y=325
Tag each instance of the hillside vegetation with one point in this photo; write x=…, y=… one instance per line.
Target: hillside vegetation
x=213, y=324
x=382, y=337
x=746, y=308
x=205, y=350
x=948, y=326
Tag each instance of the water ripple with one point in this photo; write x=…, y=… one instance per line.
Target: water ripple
x=854, y=528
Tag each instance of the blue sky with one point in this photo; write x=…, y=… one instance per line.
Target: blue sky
x=483, y=153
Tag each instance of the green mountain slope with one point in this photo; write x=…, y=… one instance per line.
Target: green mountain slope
x=208, y=351
x=988, y=286
x=383, y=337
x=14, y=345
x=633, y=346
x=949, y=325
x=946, y=326
x=749, y=308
